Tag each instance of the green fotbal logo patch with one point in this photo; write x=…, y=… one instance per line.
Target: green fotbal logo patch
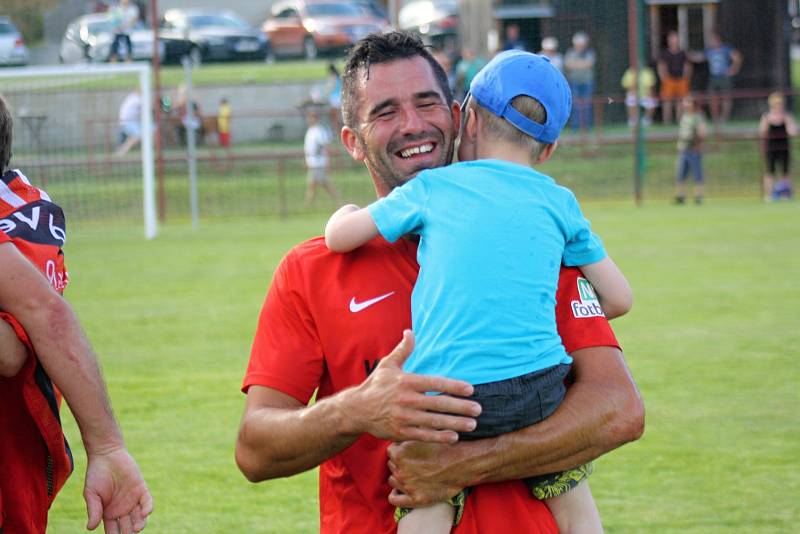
x=588, y=305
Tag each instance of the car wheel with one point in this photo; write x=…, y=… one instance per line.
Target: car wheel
x=310, y=48
x=195, y=56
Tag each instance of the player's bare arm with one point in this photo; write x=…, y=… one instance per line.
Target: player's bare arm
x=114, y=490
x=280, y=437
x=602, y=411
x=13, y=352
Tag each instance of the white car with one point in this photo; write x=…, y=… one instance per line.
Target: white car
x=89, y=38
x=12, y=47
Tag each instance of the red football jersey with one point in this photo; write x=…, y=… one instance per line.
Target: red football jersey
x=35, y=459
x=327, y=320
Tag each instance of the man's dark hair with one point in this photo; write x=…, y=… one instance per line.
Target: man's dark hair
x=377, y=48
x=5, y=136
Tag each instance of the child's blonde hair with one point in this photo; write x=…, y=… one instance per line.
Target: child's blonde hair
x=498, y=128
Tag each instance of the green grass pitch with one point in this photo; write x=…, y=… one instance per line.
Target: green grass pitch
x=712, y=342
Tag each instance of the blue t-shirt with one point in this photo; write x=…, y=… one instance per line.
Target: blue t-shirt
x=493, y=237
x=719, y=60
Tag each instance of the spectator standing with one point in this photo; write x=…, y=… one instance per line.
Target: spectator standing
x=724, y=62
x=675, y=72
x=550, y=50
x=579, y=63
x=466, y=69
x=130, y=122
x=315, y=146
x=224, y=123
x=124, y=17
x=777, y=126
x=639, y=85
x=513, y=41
x=691, y=133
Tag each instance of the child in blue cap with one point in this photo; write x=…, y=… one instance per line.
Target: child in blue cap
x=494, y=233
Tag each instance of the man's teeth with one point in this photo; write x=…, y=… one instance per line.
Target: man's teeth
x=407, y=153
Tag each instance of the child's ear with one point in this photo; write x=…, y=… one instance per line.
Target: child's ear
x=471, y=124
x=351, y=144
x=547, y=152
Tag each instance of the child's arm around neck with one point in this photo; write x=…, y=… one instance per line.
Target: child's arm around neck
x=349, y=228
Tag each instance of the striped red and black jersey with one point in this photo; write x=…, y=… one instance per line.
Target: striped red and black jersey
x=35, y=459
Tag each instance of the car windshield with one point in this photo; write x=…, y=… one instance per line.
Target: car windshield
x=334, y=10
x=202, y=21
x=7, y=29
x=98, y=27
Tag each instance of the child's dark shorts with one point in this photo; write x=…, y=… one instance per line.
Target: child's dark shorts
x=509, y=405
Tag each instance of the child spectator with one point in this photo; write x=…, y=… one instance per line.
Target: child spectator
x=640, y=91
x=224, y=123
x=777, y=126
x=315, y=147
x=494, y=233
x=691, y=133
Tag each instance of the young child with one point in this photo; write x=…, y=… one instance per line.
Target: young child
x=315, y=147
x=224, y=123
x=775, y=129
x=691, y=133
x=640, y=90
x=494, y=233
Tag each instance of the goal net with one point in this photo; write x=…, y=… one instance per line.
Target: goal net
x=69, y=139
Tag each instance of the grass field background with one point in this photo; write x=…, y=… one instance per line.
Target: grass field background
x=712, y=342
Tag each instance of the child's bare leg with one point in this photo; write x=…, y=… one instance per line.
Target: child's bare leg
x=434, y=519
x=575, y=511
x=12, y=351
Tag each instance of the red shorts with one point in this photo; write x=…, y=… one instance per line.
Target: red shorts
x=224, y=139
x=674, y=88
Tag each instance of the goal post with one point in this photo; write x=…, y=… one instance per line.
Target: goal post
x=66, y=123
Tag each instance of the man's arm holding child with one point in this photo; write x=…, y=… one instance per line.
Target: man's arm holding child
x=602, y=411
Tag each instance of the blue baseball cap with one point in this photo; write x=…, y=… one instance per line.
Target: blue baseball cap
x=514, y=73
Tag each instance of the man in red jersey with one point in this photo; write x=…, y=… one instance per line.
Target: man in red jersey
x=44, y=354
x=329, y=318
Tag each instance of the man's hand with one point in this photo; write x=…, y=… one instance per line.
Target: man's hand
x=116, y=492
x=409, y=490
x=393, y=405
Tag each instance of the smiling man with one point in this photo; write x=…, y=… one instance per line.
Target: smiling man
x=329, y=318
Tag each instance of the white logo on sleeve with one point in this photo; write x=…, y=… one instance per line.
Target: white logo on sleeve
x=588, y=305
x=356, y=307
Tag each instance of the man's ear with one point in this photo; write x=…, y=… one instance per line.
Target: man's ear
x=471, y=124
x=351, y=144
x=547, y=152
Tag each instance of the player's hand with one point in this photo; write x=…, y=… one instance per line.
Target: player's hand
x=421, y=474
x=393, y=405
x=116, y=493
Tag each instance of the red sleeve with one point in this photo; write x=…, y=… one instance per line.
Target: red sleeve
x=286, y=353
x=4, y=238
x=579, y=318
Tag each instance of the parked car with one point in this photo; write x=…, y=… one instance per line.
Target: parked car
x=88, y=39
x=215, y=35
x=309, y=27
x=435, y=20
x=12, y=47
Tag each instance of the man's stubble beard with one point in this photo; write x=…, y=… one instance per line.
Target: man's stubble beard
x=384, y=171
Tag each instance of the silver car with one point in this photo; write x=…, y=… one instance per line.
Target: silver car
x=88, y=39
x=12, y=47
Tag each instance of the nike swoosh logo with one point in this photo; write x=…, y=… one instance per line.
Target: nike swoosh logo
x=356, y=307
